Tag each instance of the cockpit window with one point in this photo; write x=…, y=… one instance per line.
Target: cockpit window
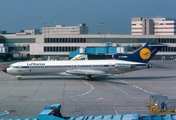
x=10, y=66
x=13, y=66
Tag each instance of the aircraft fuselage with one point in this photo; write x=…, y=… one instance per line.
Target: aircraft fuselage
x=97, y=67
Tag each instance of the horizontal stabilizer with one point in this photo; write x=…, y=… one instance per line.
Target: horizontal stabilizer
x=157, y=45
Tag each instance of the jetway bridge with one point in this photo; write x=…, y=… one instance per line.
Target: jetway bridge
x=98, y=51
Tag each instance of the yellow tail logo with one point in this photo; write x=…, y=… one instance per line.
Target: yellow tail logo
x=145, y=53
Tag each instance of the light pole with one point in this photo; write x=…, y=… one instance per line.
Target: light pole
x=44, y=28
x=0, y=28
x=48, y=30
x=96, y=25
x=101, y=23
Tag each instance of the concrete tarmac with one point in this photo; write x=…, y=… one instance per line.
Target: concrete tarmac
x=127, y=93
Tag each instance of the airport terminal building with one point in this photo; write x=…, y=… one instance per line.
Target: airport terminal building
x=58, y=45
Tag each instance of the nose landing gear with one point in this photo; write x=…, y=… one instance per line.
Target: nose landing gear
x=19, y=77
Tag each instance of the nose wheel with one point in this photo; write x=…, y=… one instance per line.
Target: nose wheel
x=19, y=77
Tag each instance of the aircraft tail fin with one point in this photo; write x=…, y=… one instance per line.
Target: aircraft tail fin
x=143, y=54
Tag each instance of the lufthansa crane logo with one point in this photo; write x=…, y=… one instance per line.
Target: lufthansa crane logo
x=145, y=53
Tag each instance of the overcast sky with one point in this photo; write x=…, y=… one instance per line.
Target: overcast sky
x=16, y=15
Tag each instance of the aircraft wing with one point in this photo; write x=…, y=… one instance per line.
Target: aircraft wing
x=86, y=72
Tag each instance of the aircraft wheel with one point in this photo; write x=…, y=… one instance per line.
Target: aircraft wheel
x=19, y=78
x=90, y=78
x=149, y=66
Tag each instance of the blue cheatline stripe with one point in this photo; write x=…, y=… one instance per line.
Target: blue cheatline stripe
x=70, y=66
x=25, y=66
x=61, y=66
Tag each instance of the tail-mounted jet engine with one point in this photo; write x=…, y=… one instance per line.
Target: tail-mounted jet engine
x=124, y=66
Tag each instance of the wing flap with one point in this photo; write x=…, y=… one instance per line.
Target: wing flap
x=85, y=72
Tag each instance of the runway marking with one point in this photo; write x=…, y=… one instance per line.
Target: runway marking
x=121, y=90
x=135, y=86
x=4, y=96
x=91, y=89
x=85, y=93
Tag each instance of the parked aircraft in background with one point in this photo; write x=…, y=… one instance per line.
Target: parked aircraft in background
x=88, y=68
x=80, y=57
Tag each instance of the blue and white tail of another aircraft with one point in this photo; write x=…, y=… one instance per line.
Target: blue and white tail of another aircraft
x=88, y=68
x=143, y=54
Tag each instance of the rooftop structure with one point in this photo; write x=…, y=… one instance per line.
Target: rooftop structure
x=62, y=29
x=153, y=26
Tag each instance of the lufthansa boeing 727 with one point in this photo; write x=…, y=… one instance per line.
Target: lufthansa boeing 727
x=88, y=68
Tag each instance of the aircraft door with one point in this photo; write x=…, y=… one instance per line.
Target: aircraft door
x=110, y=66
x=19, y=67
x=78, y=66
x=74, y=66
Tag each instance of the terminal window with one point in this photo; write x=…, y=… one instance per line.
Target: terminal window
x=64, y=40
x=59, y=49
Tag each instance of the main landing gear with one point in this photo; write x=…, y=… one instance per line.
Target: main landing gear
x=89, y=77
x=149, y=66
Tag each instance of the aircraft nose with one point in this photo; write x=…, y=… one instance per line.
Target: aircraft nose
x=3, y=69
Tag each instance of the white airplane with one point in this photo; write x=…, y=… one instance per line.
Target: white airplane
x=88, y=68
